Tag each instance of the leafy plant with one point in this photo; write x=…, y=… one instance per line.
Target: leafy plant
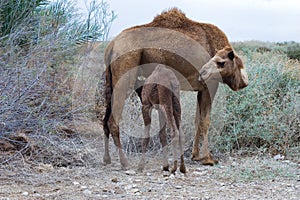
x=265, y=115
x=38, y=61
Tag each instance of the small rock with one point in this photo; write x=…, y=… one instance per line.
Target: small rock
x=199, y=173
x=76, y=183
x=118, y=190
x=83, y=187
x=128, y=187
x=278, y=157
x=87, y=192
x=172, y=176
x=138, y=180
x=130, y=172
x=135, y=190
x=178, y=186
x=25, y=193
x=115, y=180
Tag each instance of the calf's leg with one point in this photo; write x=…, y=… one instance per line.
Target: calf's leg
x=163, y=139
x=168, y=111
x=181, y=146
x=146, y=112
x=177, y=117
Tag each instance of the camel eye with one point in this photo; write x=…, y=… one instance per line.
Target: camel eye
x=220, y=64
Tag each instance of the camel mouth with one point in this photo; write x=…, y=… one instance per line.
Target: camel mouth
x=202, y=79
x=208, y=77
x=204, y=75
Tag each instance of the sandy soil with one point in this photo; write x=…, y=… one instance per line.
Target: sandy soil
x=236, y=177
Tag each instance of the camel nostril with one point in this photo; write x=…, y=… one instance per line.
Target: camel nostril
x=203, y=73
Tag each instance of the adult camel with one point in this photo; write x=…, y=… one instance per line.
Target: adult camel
x=200, y=55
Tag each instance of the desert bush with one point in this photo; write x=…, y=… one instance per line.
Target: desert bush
x=265, y=115
x=293, y=50
x=290, y=49
x=39, y=58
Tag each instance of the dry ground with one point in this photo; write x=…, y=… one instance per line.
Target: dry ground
x=236, y=177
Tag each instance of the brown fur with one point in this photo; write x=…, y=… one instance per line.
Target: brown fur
x=161, y=90
x=208, y=35
x=189, y=48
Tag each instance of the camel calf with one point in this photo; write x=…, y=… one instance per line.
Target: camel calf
x=161, y=91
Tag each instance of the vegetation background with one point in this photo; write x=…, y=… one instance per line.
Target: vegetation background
x=46, y=104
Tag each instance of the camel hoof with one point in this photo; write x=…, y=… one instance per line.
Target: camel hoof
x=141, y=167
x=173, y=171
x=196, y=158
x=182, y=169
x=106, y=160
x=125, y=165
x=208, y=160
x=166, y=168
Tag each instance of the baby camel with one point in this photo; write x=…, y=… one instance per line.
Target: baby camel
x=161, y=91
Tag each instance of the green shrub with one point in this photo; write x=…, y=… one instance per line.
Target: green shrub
x=265, y=115
x=293, y=51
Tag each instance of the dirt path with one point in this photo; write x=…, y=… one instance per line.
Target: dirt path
x=235, y=177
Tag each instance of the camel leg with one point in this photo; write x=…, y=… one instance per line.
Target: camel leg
x=146, y=112
x=181, y=146
x=168, y=112
x=177, y=116
x=106, y=157
x=202, y=125
x=119, y=96
x=122, y=79
x=114, y=128
x=163, y=139
x=175, y=141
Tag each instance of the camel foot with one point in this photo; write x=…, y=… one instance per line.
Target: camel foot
x=173, y=170
x=141, y=166
x=206, y=160
x=124, y=164
x=106, y=159
x=125, y=167
x=166, y=167
x=182, y=169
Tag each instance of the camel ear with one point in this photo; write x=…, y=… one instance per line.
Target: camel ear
x=231, y=55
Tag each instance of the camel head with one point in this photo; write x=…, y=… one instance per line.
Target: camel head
x=226, y=67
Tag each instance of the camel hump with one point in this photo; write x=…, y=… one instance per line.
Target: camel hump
x=173, y=17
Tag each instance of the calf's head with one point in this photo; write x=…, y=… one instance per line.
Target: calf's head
x=226, y=67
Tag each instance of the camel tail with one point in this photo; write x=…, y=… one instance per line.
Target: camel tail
x=108, y=87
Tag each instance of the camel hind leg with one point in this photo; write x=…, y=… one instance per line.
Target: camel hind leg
x=124, y=74
x=168, y=112
x=146, y=112
x=163, y=138
x=106, y=157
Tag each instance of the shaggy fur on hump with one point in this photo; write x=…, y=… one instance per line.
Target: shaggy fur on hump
x=172, y=18
x=208, y=35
